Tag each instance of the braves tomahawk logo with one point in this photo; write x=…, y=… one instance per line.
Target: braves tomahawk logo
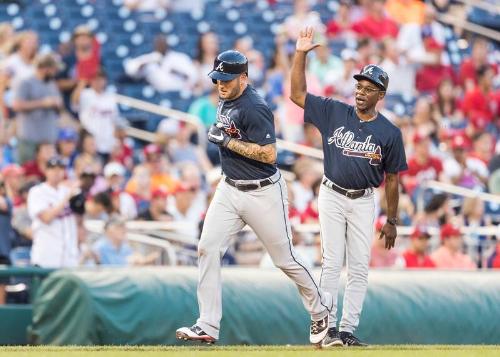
x=228, y=124
x=220, y=67
x=350, y=147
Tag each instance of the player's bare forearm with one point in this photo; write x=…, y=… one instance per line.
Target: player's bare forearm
x=264, y=153
x=392, y=194
x=298, y=79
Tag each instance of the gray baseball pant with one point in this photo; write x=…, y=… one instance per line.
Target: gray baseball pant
x=265, y=210
x=346, y=230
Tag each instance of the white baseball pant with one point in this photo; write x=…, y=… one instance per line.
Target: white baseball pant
x=346, y=230
x=265, y=210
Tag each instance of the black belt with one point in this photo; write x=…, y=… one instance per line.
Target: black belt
x=249, y=186
x=352, y=194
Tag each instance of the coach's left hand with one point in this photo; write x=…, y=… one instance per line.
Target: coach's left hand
x=390, y=233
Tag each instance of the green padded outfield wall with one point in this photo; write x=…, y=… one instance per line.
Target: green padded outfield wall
x=146, y=305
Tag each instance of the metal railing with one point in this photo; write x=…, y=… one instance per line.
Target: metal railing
x=35, y=274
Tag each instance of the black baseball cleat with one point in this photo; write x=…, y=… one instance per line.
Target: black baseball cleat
x=348, y=339
x=332, y=338
x=194, y=333
x=318, y=330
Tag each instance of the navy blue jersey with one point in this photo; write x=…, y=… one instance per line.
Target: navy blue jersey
x=357, y=153
x=246, y=118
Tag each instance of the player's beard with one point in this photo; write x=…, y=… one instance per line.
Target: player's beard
x=231, y=94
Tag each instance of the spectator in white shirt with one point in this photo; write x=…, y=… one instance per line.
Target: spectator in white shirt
x=55, y=232
x=166, y=70
x=19, y=65
x=114, y=173
x=98, y=112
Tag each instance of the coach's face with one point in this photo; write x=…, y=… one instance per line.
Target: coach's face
x=232, y=89
x=367, y=95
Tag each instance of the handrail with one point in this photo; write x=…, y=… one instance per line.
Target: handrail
x=166, y=246
x=469, y=26
x=6, y=271
x=97, y=226
x=462, y=191
x=482, y=5
x=158, y=109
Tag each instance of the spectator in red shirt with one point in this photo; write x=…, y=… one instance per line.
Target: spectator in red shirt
x=494, y=259
x=421, y=165
x=481, y=105
x=416, y=255
x=340, y=25
x=449, y=255
x=478, y=58
x=376, y=24
x=430, y=75
x=34, y=170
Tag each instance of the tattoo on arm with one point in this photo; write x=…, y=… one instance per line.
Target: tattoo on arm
x=265, y=153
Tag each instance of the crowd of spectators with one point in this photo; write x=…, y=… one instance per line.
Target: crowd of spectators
x=65, y=156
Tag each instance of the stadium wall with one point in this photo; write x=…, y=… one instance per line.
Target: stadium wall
x=146, y=306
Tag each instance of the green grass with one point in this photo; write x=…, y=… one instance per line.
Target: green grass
x=251, y=351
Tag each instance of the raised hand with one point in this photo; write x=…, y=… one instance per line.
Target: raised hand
x=305, y=40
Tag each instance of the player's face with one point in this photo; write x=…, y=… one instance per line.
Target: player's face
x=230, y=89
x=367, y=95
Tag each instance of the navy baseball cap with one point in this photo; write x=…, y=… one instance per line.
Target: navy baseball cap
x=56, y=161
x=67, y=134
x=228, y=65
x=374, y=74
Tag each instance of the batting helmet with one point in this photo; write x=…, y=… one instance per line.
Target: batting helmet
x=228, y=65
x=374, y=74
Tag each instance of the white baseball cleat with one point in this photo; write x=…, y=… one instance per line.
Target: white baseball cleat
x=319, y=329
x=194, y=333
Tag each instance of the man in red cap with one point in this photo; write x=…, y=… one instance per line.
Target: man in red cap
x=416, y=255
x=157, y=210
x=449, y=255
x=421, y=165
x=462, y=170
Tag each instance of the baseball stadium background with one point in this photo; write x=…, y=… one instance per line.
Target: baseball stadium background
x=155, y=55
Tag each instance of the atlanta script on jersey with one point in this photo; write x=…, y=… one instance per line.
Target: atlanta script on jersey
x=363, y=149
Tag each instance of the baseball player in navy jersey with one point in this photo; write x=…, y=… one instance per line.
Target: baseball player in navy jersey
x=360, y=146
x=251, y=192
